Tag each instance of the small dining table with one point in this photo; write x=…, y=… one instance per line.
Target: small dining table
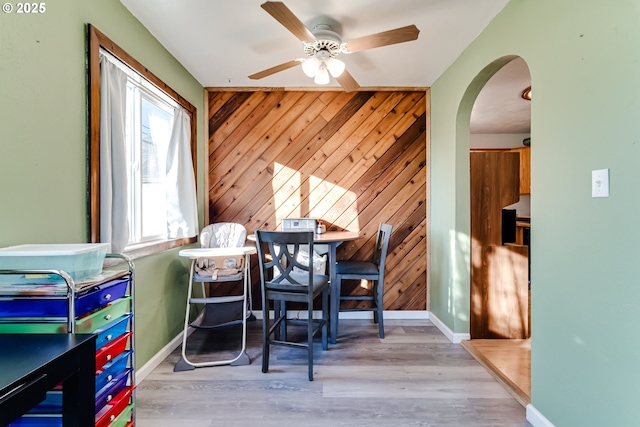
x=332, y=239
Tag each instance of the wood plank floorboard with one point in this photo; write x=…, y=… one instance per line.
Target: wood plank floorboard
x=509, y=361
x=414, y=377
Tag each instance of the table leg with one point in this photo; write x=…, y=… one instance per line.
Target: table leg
x=334, y=307
x=78, y=390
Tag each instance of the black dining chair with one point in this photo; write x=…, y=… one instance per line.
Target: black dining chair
x=284, y=278
x=367, y=270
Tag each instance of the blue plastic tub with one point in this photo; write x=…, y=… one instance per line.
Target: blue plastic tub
x=78, y=260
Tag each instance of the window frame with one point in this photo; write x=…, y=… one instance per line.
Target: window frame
x=97, y=40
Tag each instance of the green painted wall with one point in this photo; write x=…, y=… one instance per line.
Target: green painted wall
x=43, y=148
x=584, y=58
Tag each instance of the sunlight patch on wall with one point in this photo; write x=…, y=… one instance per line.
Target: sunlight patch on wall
x=298, y=196
x=285, y=184
x=319, y=203
x=461, y=258
x=505, y=292
x=349, y=218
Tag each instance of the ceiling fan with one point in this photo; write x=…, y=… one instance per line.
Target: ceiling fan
x=322, y=45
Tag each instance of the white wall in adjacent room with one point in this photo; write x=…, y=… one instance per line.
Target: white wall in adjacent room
x=493, y=140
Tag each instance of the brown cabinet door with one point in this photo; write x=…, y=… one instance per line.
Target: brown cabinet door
x=525, y=169
x=499, y=274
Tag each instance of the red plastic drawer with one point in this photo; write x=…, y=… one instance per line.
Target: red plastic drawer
x=111, y=411
x=111, y=350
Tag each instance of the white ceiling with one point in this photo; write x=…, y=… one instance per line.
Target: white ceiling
x=500, y=108
x=222, y=42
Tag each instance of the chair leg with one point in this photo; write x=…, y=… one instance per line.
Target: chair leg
x=374, y=299
x=379, y=307
x=335, y=308
x=310, y=338
x=282, y=312
x=325, y=319
x=265, y=335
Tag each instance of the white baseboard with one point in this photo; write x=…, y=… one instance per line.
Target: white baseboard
x=394, y=314
x=454, y=337
x=158, y=358
x=165, y=351
x=536, y=418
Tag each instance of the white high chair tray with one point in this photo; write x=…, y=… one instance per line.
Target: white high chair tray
x=196, y=253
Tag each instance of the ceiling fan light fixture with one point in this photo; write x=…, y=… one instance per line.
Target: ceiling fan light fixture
x=311, y=66
x=324, y=43
x=322, y=76
x=335, y=67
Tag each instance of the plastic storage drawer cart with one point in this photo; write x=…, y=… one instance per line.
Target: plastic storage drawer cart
x=37, y=297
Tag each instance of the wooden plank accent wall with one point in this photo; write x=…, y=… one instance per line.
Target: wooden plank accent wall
x=351, y=159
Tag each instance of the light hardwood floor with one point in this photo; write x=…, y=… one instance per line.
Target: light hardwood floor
x=509, y=361
x=414, y=377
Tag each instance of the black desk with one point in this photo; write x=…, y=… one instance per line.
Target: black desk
x=31, y=364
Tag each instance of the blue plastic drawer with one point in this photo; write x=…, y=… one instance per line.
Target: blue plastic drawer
x=111, y=390
x=52, y=404
x=40, y=420
x=83, y=304
x=33, y=307
x=112, y=369
x=100, y=296
x=112, y=330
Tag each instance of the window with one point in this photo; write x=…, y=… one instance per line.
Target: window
x=142, y=155
x=148, y=126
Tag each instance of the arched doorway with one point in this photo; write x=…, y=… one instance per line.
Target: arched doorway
x=499, y=128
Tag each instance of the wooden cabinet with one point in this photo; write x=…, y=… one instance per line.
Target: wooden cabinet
x=525, y=169
x=499, y=276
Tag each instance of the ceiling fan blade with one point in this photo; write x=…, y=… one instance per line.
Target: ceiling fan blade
x=348, y=83
x=283, y=15
x=276, y=69
x=385, y=38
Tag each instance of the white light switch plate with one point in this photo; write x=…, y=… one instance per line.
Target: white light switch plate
x=600, y=183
